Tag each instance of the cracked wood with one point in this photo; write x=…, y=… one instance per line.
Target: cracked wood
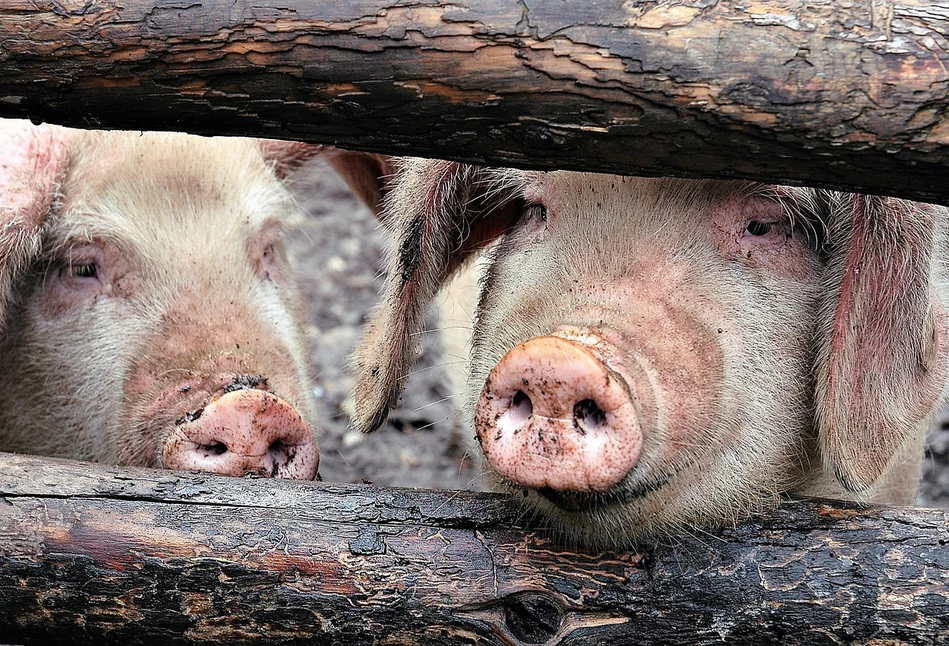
x=828, y=93
x=108, y=555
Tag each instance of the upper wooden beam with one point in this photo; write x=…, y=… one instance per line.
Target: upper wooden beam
x=818, y=92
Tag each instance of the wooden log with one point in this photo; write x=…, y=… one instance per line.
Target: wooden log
x=824, y=93
x=101, y=555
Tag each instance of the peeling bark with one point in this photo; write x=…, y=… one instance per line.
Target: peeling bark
x=105, y=555
x=824, y=93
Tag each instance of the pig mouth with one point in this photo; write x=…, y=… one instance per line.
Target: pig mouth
x=574, y=501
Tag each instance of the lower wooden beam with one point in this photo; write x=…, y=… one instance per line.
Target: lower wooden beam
x=101, y=555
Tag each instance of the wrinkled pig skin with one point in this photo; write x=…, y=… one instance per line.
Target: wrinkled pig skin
x=653, y=357
x=149, y=316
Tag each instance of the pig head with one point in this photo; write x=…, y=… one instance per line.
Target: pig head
x=147, y=312
x=651, y=356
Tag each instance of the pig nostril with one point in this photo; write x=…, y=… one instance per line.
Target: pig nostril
x=280, y=452
x=518, y=413
x=588, y=416
x=521, y=407
x=217, y=448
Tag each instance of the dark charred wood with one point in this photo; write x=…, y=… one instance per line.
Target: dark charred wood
x=823, y=93
x=99, y=555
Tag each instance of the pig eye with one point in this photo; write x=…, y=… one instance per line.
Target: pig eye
x=85, y=268
x=531, y=225
x=758, y=228
x=536, y=212
x=268, y=259
x=82, y=269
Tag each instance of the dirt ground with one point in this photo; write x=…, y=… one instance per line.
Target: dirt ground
x=338, y=252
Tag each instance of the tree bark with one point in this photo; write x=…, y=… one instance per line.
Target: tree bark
x=824, y=93
x=105, y=555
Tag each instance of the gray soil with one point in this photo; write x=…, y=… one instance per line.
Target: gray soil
x=338, y=252
x=934, y=488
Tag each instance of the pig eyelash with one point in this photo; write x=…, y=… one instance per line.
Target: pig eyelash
x=798, y=221
x=534, y=211
x=533, y=216
x=805, y=209
x=80, y=270
x=759, y=228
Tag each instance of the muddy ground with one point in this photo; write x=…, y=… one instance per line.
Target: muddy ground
x=338, y=252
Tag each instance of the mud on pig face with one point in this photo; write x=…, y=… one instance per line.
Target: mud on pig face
x=644, y=358
x=152, y=319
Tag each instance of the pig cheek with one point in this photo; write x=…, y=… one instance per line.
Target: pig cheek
x=684, y=356
x=142, y=442
x=87, y=311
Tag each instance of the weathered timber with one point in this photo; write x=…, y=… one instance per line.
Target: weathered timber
x=105, y=555
x=825, y=93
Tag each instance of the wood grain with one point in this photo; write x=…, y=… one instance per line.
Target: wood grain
x=106, y=555
x=825, y=93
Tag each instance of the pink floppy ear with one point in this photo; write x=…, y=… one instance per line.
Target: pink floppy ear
x=882, y=342
x=287, y=156
x=367, y=174
x=32, y=165
x=439, y=213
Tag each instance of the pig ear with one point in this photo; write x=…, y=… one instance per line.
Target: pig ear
x=32, y=164
x=439, y=213
x=288, y=156
x=367, y=174
x=882, y=343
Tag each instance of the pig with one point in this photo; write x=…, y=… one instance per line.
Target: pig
x=653, y=357
x=148, y=316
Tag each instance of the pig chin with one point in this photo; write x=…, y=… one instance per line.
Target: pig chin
x=623, y=493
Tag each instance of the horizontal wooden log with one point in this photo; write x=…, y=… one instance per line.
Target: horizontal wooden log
x=824, y=93
x=98, y=555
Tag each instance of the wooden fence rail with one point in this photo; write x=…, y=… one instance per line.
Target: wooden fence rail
x=825, y=93
x=105, y=555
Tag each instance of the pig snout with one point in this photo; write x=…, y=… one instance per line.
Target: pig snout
x=553, y=414
x=244, y=432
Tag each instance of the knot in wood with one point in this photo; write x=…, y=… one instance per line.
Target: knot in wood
x=533, y=618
